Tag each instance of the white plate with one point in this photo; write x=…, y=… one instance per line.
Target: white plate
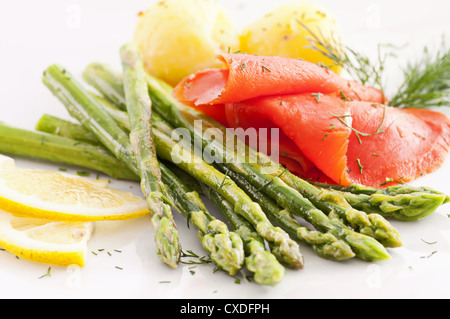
x=74, y=33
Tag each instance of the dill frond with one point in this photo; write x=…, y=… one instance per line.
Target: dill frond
x=426, y=81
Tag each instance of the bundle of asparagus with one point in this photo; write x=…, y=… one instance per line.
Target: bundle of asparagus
x=125, y=131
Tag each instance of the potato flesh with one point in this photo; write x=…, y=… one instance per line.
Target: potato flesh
x=181, y=37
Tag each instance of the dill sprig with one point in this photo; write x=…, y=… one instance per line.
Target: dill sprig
x=426, y=81
x=358, y=66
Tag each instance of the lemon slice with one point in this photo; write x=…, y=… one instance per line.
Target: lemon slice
x=44, y=241
x=63, y=197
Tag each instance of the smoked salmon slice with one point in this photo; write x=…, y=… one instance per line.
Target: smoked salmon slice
x=331, y=129
x=351, y=142
x=404, y=145
x=248, y=76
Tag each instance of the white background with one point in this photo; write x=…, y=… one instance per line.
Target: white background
x=35, y=34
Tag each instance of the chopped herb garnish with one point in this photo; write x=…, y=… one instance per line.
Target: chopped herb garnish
x=83, y=173
x=322, y=65
x=62, y=169
x=344, y=98
x=264, y=68
x=360, y=165
x=120, y=268
x=339, y=117
x=332, y=126
x=47, y=274
x=379, y=130
x=282, y=102
x=284, y=171
x=434, y=252
x=429, y=243
x=243, y=65
x=317, y=96
x=324, y=137
x=187, y=84
x=375, y=154
x=223, y=181
x=191, y=254
x=388, y=180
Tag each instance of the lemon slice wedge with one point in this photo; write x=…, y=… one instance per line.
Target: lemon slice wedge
x=44, y=241
x=59, y=196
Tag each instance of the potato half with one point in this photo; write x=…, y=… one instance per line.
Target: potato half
x=180, y=37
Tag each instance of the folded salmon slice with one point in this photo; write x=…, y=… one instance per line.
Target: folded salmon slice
x=352, y=142
x=332, y=129
x=247, y=76
x=405, y=143
x=320, y=138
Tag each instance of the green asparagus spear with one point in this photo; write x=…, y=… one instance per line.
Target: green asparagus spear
x=404, y=207
x=57, y=149
x=324, y=244
x=139, y=109
x=120, y=116
x=404, y=202
x=107, y=82
x=180, y=116
x=54, y=125
x=266, y=268
x=85, y=108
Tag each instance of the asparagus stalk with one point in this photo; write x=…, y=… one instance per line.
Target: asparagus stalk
x=266, y=268
x=324, y=244
x=120, y=116
x=57, y=126
x=404, y=207
x=139, y=109
x=110, y=84
x=85, y=108
x=403, y=202
x=57, y=149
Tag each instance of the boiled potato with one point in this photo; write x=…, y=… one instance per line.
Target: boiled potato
x=180, y=37
x=279, y=33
